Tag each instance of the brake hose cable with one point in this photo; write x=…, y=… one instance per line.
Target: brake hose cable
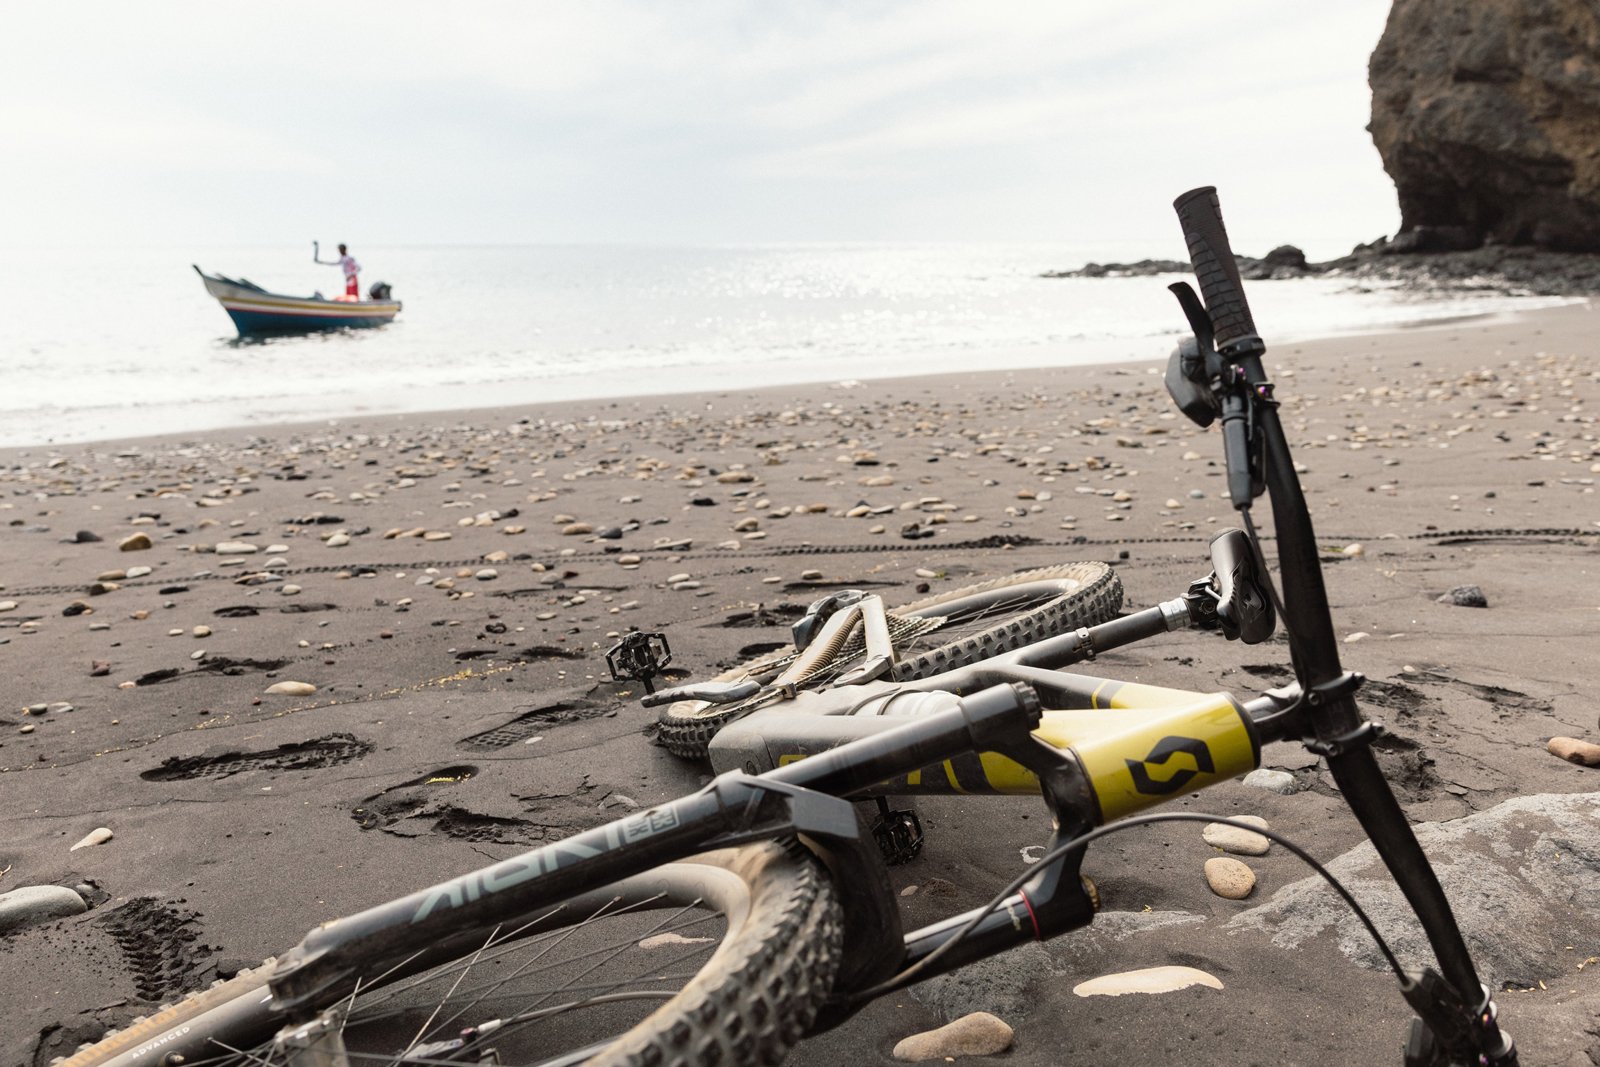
x=906, y=976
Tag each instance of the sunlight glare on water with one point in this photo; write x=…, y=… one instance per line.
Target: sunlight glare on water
x=125, y=342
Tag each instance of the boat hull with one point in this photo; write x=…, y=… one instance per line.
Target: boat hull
x=254, y=321
x=256, y=312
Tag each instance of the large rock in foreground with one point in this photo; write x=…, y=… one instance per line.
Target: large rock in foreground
x=1487, y=116
x=1523, y=878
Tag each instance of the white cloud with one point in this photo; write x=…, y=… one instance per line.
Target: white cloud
x=616, y=120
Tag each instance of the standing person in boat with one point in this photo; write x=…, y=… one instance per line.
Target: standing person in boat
x=347, y=262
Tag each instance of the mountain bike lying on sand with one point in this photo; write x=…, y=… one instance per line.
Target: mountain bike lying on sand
x=723, y=927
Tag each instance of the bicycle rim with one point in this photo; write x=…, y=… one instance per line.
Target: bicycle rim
x=722, y=959
x=980, y=621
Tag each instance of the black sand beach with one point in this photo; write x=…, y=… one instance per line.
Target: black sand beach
x=462, y=711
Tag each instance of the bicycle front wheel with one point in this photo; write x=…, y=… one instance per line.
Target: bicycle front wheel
x=722, y=959
x=981, y=621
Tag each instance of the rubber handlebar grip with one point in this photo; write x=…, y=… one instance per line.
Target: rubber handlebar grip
x=1214, y=267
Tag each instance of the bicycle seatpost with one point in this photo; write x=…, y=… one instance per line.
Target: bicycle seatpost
x=1341, y=732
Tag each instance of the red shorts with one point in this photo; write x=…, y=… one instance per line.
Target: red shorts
x=352, y=286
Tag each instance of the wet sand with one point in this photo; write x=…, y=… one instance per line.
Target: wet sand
x=1456, y=456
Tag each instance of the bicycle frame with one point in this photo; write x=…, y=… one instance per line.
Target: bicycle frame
x=1096, y=749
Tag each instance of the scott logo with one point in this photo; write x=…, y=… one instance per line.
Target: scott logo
x=1166, y=748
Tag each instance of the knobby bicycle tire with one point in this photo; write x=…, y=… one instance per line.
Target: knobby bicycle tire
x=1093, y=596
x=748, y=1004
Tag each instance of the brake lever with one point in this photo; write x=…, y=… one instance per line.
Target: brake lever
x=1194, y=364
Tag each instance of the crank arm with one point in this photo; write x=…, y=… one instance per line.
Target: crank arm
x=710, y=692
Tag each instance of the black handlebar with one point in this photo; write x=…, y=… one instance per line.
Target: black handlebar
x=1201, y=217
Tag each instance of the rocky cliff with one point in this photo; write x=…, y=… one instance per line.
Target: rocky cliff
x=1487, y=116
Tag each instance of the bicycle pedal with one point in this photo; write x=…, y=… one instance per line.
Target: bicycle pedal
x=899, y=836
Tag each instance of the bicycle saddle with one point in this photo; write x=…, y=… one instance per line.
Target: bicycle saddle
x=810, y=625
x=1244, y=610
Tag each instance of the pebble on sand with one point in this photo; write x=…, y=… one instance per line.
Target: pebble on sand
x=1281, y=782
x=135, y=542
x=436, y=535
x=8, y=605
x=338, y=540
x=202, y=631
x=1148, y=980
x=292, y=689
x=34, y=904
x=1575, y=751
x=1465, y=596
x=977, y=1034
x=1230, y=878
x=138, y=572
x=576, y=528
x=1240, y=842
x=289, y=590
x=93, y=837
x=236, y=548
x=487, y=574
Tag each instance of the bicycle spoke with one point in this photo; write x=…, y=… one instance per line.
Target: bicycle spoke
x=501, y=983
x=621, y=947
x=446, y=998
x=367, y=1015
x=554, y=975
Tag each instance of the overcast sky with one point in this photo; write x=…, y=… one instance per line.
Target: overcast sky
x=687, y=123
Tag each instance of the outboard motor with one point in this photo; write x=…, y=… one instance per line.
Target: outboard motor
x=379, y=291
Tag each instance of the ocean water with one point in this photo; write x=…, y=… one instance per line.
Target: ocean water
x=117, y=342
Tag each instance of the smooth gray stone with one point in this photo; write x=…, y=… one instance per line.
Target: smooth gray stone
x=1275, y=781
x=34, y=904
x=1523, y=878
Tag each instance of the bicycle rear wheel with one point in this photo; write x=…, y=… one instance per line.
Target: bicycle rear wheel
x=722, y=959
x=982, y=620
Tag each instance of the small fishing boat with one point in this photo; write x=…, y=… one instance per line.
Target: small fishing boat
x=255, y=311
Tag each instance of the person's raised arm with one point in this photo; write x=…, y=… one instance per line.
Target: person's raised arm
x=316, y=256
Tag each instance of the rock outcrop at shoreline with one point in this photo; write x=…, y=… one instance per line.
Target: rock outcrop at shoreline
x=1486, y=114
x=1517, y=271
